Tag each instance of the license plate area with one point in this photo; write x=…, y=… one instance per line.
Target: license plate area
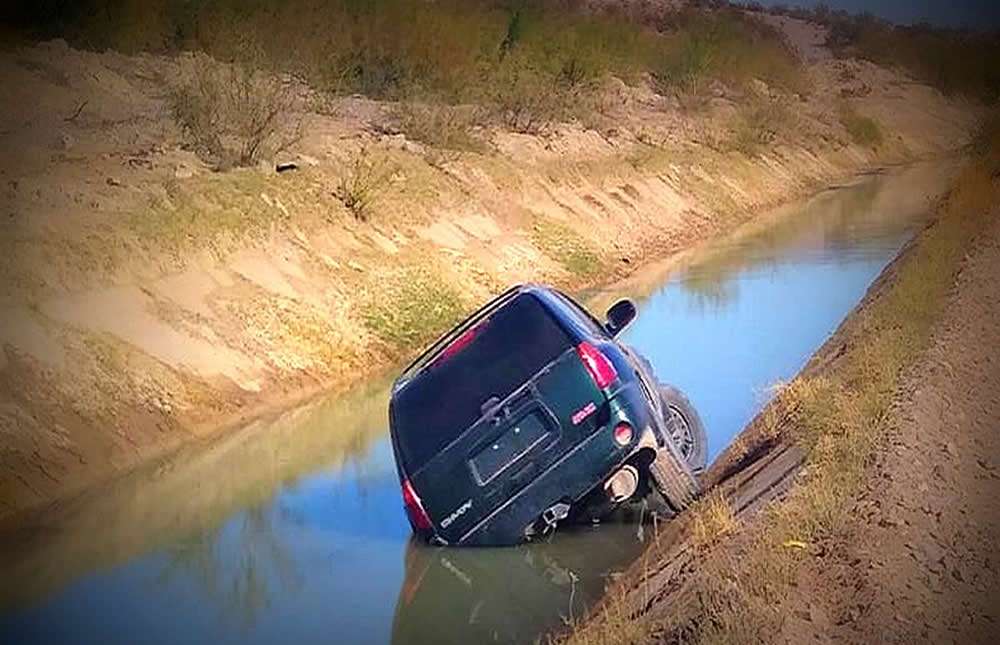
x=520, y=438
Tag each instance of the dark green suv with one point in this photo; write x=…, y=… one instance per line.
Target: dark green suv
x=529, y=413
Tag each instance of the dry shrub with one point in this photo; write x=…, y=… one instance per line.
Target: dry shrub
x=231, y=114
x=531, y=64
x=367, y=179
x=758, y=124
x=863, y=130
x=523, y=98
x=961, y=62
x=725, y=45
x=442, y=126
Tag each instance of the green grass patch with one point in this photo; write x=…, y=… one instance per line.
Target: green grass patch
x=205, y=211
x=567, y=247
x=407, y=308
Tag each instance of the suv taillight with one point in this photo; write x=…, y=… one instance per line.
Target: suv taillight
x=415, y=509
x=600, y=368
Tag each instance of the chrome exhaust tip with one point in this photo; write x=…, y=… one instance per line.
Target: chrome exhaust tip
x=622, y=484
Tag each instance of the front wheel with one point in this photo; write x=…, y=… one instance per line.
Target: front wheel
x=684, y=427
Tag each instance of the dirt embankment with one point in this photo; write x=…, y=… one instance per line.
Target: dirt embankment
x=147, y=300
x=862, y=504
x=919, y=559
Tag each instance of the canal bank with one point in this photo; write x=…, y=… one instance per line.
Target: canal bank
x=149, y=301
x=250, y=538
x=862, y=499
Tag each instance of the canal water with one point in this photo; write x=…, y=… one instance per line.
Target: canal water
x=292, y=530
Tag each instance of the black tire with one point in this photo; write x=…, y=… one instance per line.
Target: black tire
x=673, y=480
x=683, y=423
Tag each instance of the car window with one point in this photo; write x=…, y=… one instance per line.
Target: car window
x=491, y=359
x=584, y=316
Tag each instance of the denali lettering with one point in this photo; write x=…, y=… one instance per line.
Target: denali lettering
x=459, y=512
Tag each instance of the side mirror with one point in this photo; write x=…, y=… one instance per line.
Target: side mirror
x=619, y=316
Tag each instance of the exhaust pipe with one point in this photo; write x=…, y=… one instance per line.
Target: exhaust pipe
x=622, y=484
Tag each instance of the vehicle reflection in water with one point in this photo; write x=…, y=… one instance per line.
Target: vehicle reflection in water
x=292, y=529
x=508, y=595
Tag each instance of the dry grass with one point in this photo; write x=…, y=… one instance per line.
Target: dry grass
x=840, y=418
x=710, y=519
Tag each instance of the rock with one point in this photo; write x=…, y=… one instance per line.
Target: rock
x=111, y=181
x=183, y=172
x=950, y=450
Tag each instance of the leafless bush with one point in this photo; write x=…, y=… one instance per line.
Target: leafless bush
x=523, y=99
x=232, y=114
x=441, y=126
x=365, y=182
x=759, y=123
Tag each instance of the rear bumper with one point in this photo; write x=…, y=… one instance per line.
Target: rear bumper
x=573, y=476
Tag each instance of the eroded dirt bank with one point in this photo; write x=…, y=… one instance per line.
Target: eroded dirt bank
x=919, y=558
x=147, y=300
x=862, y=504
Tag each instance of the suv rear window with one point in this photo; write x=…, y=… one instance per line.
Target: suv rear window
x=492, y=359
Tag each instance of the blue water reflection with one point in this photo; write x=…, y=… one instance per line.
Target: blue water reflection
x=726, y=355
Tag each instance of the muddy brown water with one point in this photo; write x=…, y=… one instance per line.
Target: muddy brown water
x=292, y=529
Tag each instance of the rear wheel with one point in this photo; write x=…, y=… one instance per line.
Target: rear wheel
x=685, y=427
x=673, y=480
